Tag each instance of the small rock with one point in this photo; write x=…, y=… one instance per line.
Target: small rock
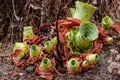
x=117, y=58
x=30, y=69
x=20, y=74
x=114, y=36
x=113, y=51
x=114, y=67
x=110, y=60
x=118, y=43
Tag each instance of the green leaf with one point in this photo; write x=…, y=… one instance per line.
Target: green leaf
x=73, y=64
x=81, y=40
x=107, y=22
x=20, y=55
x=54, y=40
x=46, y=64
x=48, y=46
x=23, y=47
x=83, y=11
x=85, y=63
x=88, y=31
x=35, y=50
x=28, y=33
x=72, y=11
x=93, y=58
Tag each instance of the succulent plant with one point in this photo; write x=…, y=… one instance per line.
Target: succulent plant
x=72, y=11
x=107, y=22
x=28, y=33
x=93, y=58
x=81, y=39
x=108, y=40
x=21, y=49
x=73, y=65
x=35, y=50
x=85, y=63
x=48, y=46
x=46, y=64
x=83, y=11
x=54, y=40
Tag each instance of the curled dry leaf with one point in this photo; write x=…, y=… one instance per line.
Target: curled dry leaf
x=103, y=36
x=33, y=60
x=117, y=28
x=18, y=62
x=36, y=40
x=97, y=46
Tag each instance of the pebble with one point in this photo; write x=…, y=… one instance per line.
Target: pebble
x=113, y=51
x=118, y=43
x=117, y=58
x=20, y=74
x=114, y=67
x=110, y=60
x=30, y=69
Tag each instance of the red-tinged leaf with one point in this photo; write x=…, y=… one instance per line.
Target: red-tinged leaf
x=32, y=59
x=102, y=33
x=61, y=38
x=35, y=40
x=60, y=21
x=17, y=52
x=48, y=77
x=65, y=24
x=97, y=47
x=18, y=62
x=103, y=36
x=66, y=52
x=117, y=28
x=44, y=25
x=75, y=22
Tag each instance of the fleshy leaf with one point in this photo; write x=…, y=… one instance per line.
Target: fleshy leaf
x=73, y=64
x=35, y=50
x=28, y=33
x=54, y=40
x=85, y=63
x=107, y=22
x=108, y=40
x=45, y=64
x=72, y=11
x=89, y=31
x=93, y=58
x=81, y=42
x=83, y=11
x=20, y=55
x=48, y=46
x=22, y=47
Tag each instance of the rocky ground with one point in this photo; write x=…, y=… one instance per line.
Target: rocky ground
x=108, y=67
